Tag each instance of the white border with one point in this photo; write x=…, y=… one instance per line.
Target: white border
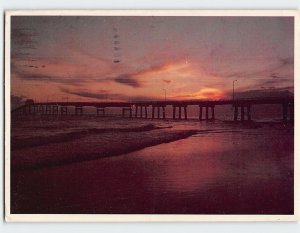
x=146, y=217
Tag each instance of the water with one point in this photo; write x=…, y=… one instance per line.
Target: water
x=113, y=165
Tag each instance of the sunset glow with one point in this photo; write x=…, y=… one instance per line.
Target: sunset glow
x=132, y=58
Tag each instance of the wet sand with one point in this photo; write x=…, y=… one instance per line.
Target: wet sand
x=234, y=172
x=100, y=145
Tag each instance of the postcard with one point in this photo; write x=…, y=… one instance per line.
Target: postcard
x=151, y=115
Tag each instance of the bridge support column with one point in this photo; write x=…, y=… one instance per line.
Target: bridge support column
x=78, y=111
x=153, y=111
x=164, y=112
x=124, y=110
x=284, y=112
x=179, y=112
x=158, y=112
x=249, y=112
x=136, y=111
x=35, y=109
x=174, y=112
x=48, y=110
x=41, y=109
x=55, y=109
x=200, y=112
x=146, y=112
x=213, y=112
x=242, y=113
x=141, y=111
x=206, y=112
x=185, y=112
x=236, y=113
x=63, y=110
x=100, y=110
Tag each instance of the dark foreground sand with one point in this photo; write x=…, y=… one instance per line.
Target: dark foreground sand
x=234, y=172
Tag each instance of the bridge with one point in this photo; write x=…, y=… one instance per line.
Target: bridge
x=140, y=109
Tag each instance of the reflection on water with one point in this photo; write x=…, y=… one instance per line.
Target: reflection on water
x=225, y=171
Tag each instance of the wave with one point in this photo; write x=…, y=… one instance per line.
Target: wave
x=93, y=147
x=20, y=143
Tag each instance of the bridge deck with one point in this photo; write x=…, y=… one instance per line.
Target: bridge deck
x=172, y=102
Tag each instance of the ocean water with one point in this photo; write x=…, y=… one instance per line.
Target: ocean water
x=89, y=164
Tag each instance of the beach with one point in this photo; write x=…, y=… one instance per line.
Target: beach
x=93, y=165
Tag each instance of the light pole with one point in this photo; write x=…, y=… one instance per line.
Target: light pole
x=165, y=94
x=233, y=88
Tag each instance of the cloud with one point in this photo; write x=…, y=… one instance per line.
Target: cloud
x=107, y=95
x=287, y=61
x=167, y=81
x=100, y=95
x=274, y=82
x=128, y=80
x=23, y=41
x=61, y=72
x=53, y=79
x=283, y=92
x=134, y=79
x=77, y=50
x=23, y=36
x=258, y=71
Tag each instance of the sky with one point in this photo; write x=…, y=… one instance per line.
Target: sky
x=125, y=58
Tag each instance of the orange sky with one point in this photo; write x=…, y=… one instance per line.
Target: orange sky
x=136, y=58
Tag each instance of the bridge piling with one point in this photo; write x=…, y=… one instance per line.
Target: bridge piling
x=206, y=112
x=124, y=110
x=158, y=112
x=236, y=113
x=164, y=112
x=249, y=112
x=141, y=111
x=35, y=109
x=179, y=112
x=55, y=109
x=185, y=112
x=153, y=111
x=146, y=112
x=48, y=109
x=242, y=113
x=78, y=110
x=136, y=111
x=100, y=110
x=213, y=112
x=63, y=110
x=200, y=112
x=41, y=109
x=174, y=112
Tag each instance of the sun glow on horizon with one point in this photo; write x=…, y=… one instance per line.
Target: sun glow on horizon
x=205, y=94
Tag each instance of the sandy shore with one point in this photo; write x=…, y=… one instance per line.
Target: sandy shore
x=248, y=172
x=88, y=146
